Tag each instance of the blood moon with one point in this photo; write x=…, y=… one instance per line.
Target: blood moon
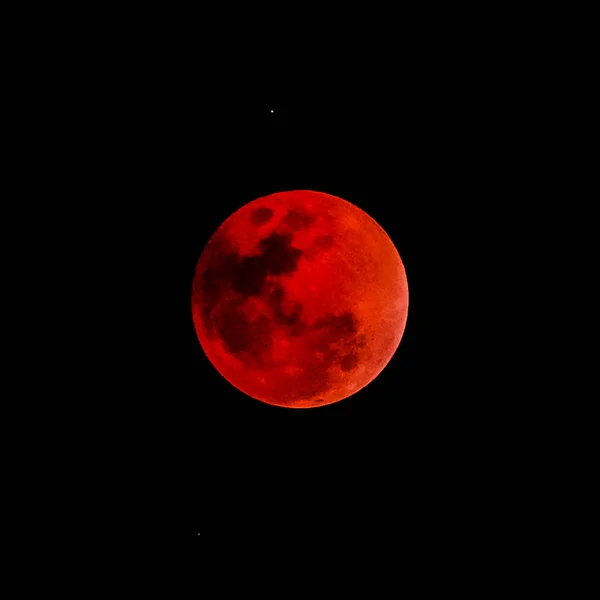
x=299, y=299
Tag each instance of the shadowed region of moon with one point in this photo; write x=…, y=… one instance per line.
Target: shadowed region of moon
x=350, y=361
x=262, y=215
x=298, y=220
x=337, y=326
x=277, y=256
x=307, y=313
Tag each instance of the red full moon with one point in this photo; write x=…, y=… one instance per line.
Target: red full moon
x=299, y=299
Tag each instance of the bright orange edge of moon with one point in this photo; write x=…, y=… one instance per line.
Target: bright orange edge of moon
x=299, y=299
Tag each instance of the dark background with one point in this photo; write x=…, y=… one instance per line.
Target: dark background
x=411, y=167
x=146, y=153
x=439, y=144
x=427, y=164
x=162, y=156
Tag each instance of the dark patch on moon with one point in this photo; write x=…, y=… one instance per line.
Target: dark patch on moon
x=279, y=254
x=260, y=216
x=297, y=220
x=245, y=276
x=241, y=335
x=318, y=400
x=298, y=328
x=248, y=275
x=275, y=293
x=338, y=327
x=349, y=362
x=360, y=341
x=285, y=311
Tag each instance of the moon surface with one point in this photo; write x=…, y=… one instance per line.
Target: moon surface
x=299, y=299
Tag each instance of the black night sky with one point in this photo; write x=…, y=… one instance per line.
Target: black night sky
x=391, y=164
x=156, y=143
x=419, y=167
